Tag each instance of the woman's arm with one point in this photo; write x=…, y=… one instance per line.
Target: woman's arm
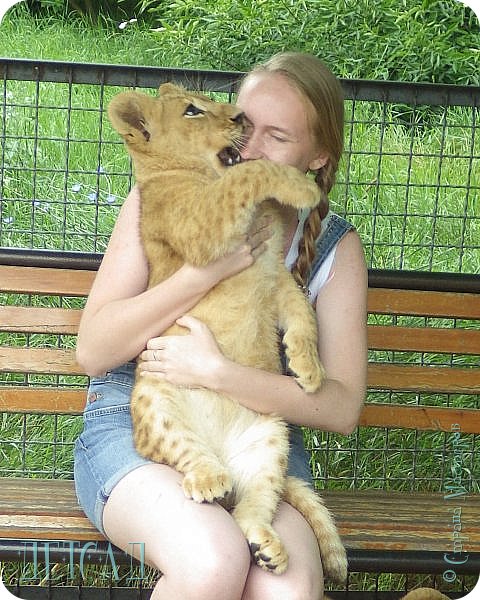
x=121, y=314
x=341, y=316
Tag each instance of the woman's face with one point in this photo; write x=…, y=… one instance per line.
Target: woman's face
x=277, y=124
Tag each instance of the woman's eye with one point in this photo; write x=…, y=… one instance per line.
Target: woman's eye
x=193, y=111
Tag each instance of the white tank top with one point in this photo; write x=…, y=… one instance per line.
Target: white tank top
x=324, y=273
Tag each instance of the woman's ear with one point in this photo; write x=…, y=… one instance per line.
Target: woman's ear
x=318, y=162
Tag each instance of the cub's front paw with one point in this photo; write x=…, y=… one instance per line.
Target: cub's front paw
x=302, y=353
x=267, y=550
x=306, y=365
x=206, y=485
x=311, y=378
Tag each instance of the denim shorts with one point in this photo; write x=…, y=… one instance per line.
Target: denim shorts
x=105, y=451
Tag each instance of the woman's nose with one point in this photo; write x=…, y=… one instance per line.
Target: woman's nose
x=252, y=148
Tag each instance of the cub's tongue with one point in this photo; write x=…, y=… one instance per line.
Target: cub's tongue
x=229, y=156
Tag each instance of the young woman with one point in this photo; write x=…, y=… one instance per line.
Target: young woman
x=294, y=110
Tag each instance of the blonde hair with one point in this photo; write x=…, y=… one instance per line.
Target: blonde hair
x=324, y=96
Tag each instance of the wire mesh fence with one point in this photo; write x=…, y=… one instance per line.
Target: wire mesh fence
x=409, y=179
x=38, y=445
x=393, y=459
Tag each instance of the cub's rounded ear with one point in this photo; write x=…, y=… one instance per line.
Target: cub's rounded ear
x=170, y=88
x=129, y=114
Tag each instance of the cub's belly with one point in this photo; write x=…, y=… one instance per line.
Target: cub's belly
x=229, y=428
x=242, y=312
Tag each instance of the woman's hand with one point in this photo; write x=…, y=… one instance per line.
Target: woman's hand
x=195, y=359
x=240, y=259
x=191, y=360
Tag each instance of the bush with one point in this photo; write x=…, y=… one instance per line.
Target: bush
x=406, y=40
x=434, y=40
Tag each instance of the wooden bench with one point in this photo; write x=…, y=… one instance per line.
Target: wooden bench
x=436, y=531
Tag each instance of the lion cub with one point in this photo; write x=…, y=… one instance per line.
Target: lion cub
x=196, y=207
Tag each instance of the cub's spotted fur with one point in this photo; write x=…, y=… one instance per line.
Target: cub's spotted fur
x=195, y=208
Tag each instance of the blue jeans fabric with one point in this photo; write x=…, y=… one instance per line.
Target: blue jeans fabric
x=105, y=452
x=334, y=228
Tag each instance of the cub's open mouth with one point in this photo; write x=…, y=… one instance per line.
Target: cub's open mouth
x=229, y=156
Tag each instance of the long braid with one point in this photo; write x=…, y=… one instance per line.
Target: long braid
x=325, y=178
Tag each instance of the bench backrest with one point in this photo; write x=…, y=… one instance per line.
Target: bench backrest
x=387, y=335
x=421, y=342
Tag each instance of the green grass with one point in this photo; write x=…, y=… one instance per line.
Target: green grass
x=72, y=39
x=411, y=190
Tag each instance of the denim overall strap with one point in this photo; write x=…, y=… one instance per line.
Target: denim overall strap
x=335, y=229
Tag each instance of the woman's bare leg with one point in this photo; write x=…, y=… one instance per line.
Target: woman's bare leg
x=303, y=579
x=198, y=547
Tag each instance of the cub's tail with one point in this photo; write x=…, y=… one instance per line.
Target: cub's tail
x=334, y=557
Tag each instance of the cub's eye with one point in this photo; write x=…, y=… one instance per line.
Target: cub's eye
x=193, y=111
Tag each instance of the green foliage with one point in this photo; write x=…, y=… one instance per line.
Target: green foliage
x=410, y=40
x=406, y=40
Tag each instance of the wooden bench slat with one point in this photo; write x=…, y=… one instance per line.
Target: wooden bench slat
x=23, y=319
x=32, y=507
x=39, y=360
x=39, y=509
x=42, y=509
x=392, y=416
x=417, y=378
x=431, y=304
x=414, y=378
x=49, y=281
x=422, y=418
x=73, y=282
x=403, y=339
x=56, y=527
x=30, y=319
x=389, y=520
x=420, y=339
x=42, y=400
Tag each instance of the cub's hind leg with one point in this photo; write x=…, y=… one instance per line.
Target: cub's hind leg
x=258, y=462
x=164, y=433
